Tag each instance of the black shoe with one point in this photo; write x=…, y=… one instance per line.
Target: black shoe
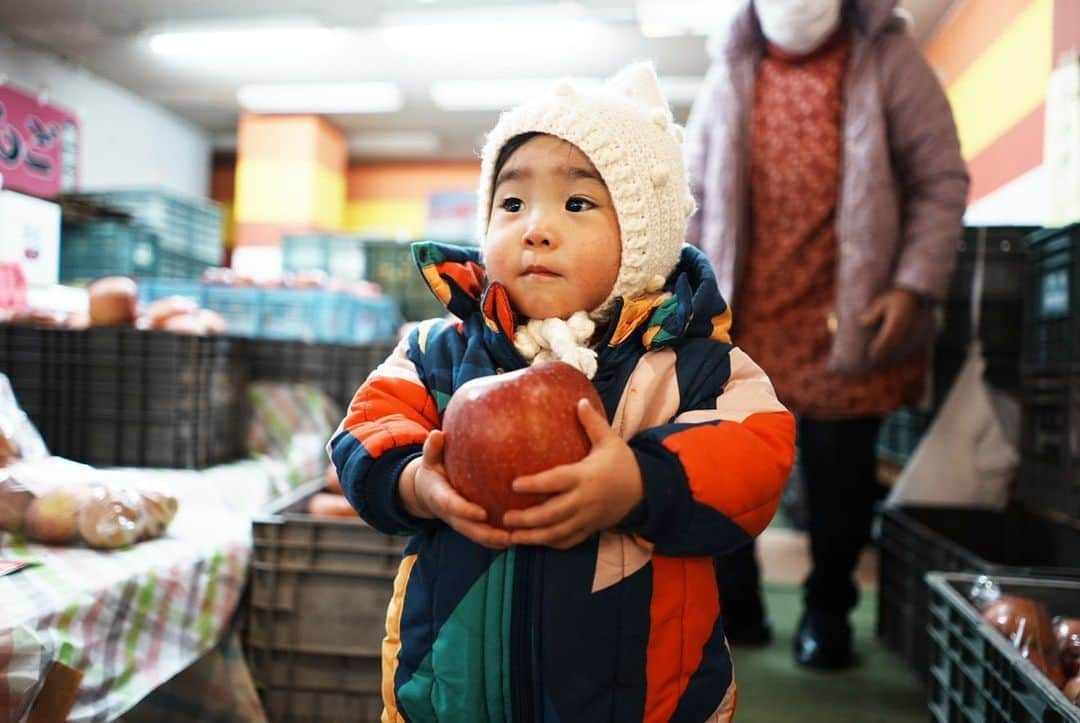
x=757, y=635
x=823, y=641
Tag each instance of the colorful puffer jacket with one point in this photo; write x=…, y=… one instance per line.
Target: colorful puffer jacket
x=626, y=626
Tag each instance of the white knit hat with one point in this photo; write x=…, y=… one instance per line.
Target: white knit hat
x=626, y=130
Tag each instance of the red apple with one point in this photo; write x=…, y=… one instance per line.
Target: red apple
x=502, y=427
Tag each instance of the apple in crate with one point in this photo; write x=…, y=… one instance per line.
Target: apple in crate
x=502, y=427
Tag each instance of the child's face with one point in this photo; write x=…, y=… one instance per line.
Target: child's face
x=553, y=240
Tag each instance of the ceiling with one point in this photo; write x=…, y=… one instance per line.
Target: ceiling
x=110, y=38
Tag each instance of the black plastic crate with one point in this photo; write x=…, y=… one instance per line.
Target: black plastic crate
x=900, y=434
x=976, y=675
x=316, y=614
x=124, y=397
x=33, y=358
x=1050, y=444
x=1003, y=265
x=337, y=369
x=1051, y=321
x=917, y=540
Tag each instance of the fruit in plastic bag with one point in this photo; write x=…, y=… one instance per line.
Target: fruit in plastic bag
x=54, y=517
x=13, y=503
x=1072, y=690
x=111, y=517
x=1067, y=631
x=1022, y=620
x=159, y=510
x=9, y=450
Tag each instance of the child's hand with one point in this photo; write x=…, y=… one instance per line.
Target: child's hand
x=431, y=495
x=593, y=494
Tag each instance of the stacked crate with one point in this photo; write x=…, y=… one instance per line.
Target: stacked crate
x=1050, y=441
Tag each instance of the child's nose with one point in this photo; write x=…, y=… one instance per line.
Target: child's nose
x=539, y=234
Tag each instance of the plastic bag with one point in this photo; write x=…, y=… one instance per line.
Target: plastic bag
x=19, y=439
x=60, y=502
x=1025, y=623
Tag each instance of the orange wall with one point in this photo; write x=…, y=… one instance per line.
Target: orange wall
x=409, y=180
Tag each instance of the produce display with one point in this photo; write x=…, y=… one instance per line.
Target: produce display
x=313, y=279
x=114, y=301
x=1051, y=645
x=502, y=427
x=57, y=502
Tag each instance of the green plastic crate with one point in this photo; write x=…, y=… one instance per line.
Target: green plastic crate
x=190, y=227
x=99, y=249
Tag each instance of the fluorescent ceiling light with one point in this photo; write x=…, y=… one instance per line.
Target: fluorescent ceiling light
x=671, y=18
x=492, y=94
x=522, y=29
x=486, y=95
x=241, y=42
x=371, y=97
x=394, y=143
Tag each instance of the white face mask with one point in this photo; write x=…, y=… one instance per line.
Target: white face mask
x=798, y=26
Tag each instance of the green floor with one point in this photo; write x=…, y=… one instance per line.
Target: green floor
x=773, y=689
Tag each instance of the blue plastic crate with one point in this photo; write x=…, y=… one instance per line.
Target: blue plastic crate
x=240, y=306
x=187, y=226
x=152, y=289
x=372, y=320
x=307, y=315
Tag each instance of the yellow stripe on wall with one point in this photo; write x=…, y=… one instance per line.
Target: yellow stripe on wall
x=1006, y=82
x=329, y=201
x=228, y=225
x=405, y=217
x=289, y=192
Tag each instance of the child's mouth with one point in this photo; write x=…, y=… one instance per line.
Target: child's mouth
x=537, y=270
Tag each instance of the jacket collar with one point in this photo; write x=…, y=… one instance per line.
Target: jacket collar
x=690, y=305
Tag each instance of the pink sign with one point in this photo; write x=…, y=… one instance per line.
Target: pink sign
x=39, y=145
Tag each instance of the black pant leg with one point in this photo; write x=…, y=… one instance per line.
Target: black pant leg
x=739, y=580
x=839, y=464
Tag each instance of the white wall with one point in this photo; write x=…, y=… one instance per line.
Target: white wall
x=126, y=141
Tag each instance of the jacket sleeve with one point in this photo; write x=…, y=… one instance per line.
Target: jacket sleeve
x=714, y=475
x=388, y=420
x=696, y=150
x=929, y=166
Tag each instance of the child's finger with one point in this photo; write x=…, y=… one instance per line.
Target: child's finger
x=482, y=534
x=449, y=502
x=549, y=536
x=594, y=423
x=553, y=481
x=433, y=448
x=545, y=514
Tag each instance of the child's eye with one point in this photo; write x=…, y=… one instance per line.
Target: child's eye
x=577, y=204
x=511, y=204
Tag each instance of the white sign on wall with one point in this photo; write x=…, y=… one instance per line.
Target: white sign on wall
x=1061, y=150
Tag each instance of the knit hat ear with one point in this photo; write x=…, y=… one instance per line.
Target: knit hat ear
x=626, y=130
